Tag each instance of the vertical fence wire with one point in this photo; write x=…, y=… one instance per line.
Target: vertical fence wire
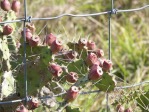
x=25, y=66
x=109, y=48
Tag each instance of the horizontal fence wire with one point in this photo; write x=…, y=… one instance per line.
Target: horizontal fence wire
x=81, y=93
x=114, y=11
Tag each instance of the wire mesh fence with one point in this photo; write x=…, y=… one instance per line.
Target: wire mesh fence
x=26, y=19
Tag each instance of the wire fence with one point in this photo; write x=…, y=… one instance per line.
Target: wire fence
x=27, y=19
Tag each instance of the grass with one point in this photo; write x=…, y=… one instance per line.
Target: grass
x=130, y=34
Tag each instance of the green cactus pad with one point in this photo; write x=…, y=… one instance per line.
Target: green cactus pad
x=37, y=76
x=37, y=71
x=143, y=101
x=106, y=83
x=10, y=16
x=46, y=55
x=78, y=66
x=7, y=43
x=5, y=56
x=12, y=44
x=7, y=85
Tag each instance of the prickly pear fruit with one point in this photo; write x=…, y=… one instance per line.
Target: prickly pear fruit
x=55, y=69
x=50, y=38
x=107, y=65
x=91, y=45
x=21, y=108
x=82, y=43
x=34, y=41
x=7, y=30
x=28, y=34
x=120, y=108
x=72, y=77
x=99, y=53
x=16, y=5
x=71, y=55
x=56, y=46
x=95, y=72
x=5, y=5
x=34, y=103
x=72, y=94
x=91, y=59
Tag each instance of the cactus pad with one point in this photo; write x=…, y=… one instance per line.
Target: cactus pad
x=106, y=83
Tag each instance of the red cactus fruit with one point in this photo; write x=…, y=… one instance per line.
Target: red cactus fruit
x=21, y=108
x=99, y=53
x=107, y=65
x=34, y=103
x=7, y=30
x=91, y=45
x=71, y=55
x=34, y=41
x=82, y=42
x=101, y=60
x=55, y=69
x=16, y=5
x=72, y=94
x=95, y=72
x=50, y=38
x=28, y=34
x=91, y=59
x=128, y=110
x=56, y=46
x=94, y=66
x=120, y=108
x=5, y=5
x=72, y=77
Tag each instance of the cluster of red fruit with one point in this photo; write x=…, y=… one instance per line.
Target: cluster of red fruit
x=54, y=43
x=15, y=6
x=94, y=60
x=32, y=39
x=120, y=108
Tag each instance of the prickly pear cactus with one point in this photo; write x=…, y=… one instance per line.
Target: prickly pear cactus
x=79, y=65
x=37, y=73
x=48, y=65
x=7, y=47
